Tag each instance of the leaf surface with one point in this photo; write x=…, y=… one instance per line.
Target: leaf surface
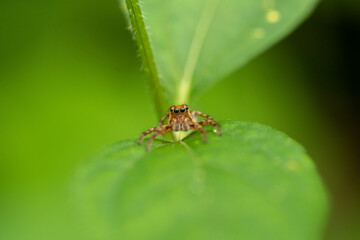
x=197, y=43
x=252, y=183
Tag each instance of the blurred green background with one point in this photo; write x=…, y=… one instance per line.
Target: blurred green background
x=70, y=84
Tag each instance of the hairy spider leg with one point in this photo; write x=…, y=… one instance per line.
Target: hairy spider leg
x=161, y=122
x=144, y=133
x=163, y=129
x=195, y=113
x=213, y=123
x=194, y=116
x=197, y=126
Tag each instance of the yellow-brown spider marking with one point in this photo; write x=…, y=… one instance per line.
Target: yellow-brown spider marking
x=180, y=117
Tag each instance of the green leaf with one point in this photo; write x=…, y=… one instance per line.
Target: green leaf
x=197, y=43
x=142, y=39
x=251, y=183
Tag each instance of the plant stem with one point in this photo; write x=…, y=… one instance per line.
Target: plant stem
x=143, y=42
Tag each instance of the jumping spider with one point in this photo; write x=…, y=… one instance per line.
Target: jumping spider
x=180, y=118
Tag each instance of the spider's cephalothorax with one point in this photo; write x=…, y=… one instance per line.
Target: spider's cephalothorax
x=180, y=117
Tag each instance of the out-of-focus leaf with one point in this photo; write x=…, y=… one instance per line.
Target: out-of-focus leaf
x=251, y=183
x=197, y=43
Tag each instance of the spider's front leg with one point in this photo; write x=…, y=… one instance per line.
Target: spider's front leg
x=209, y=120
x=143, y=134
x=158, y=130
x=161, y=122
x=197, y=126
x=213, y=123
x=195, y=113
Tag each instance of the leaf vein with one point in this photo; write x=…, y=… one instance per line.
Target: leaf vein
x=195, y=48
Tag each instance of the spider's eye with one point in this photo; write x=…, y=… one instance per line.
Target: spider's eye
x=176, y=110
x=186, y=108
x=171, y=109
x=182, y=110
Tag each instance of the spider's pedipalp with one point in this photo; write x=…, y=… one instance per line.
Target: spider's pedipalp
x=176, y=127
x=185, y=127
